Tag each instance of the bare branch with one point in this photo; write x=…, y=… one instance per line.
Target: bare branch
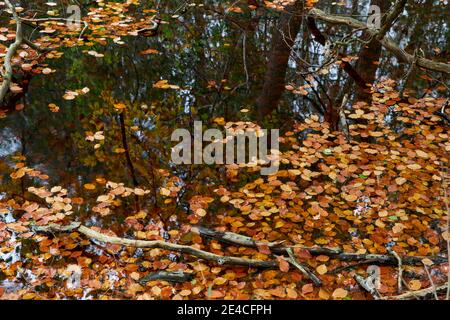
x=337, y=253
x=419, y=293
x=91, y=234
x=7, y=74
x=431, y=281
x=386, y=42
x=400, y=271
x=308, y=273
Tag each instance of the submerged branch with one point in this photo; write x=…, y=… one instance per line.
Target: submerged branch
x=304, y=269
x=336, y=253
x=91, y=234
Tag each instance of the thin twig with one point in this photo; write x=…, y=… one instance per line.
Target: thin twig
x=244, y=57
x=386, y=42
x=447, y=296
x=431, y=281
x=305, y=270
x=400, y=271
x=418, y=293
x=343, y=119
x=409, y=72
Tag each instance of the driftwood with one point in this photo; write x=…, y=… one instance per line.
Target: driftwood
x=236, y=239
x=91, y=234
x=223, y=260
x=336, y=253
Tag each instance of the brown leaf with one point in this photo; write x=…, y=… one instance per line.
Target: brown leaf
x=307, y=288
x=283, y=264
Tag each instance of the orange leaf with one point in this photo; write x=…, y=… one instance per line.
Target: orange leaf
x=216, y=294
x=307, y=288
x=339, y=293
x=283, y=264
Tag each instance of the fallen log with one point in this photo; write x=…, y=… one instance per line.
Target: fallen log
x=336, y=253
x=234, y=239
x=92, y=234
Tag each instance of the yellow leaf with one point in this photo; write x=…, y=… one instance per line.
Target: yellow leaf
x=422, y=154
x=427, y=262
x=220, y=280
x=383, y=213
x=119, y=106
x=200, y=212
x=324, y=295
x=139, y=191
x=398, y=227
x=286, y=188
x=339, y=293
x=414, y=166
x=165, y=192
x=29, y=296
x=380, y=224
x=68, y=96
x=376, y=133
x=322, y=269
x=220, y=121
x=185, y=293
x=350, y=197
x=56, y=189
x=103, y=198
x=119, y=150
x=415, y=285
x=89, y=186
x=295, y=172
